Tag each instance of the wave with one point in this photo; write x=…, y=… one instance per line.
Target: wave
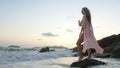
x=17, y=54
x=18, y=48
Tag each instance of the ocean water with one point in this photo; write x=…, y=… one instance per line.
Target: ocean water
x=31, y=58
x=13, y=55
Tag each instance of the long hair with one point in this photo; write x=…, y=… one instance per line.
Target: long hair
x=87, y=12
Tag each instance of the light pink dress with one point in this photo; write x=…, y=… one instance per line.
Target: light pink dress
x=89, y=40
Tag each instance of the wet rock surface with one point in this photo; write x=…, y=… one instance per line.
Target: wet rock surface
x=87, y=63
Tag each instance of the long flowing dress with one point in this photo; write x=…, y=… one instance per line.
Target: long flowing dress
x=89, y=40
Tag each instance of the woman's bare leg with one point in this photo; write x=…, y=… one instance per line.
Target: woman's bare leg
x=89, y=53
x=79, y=48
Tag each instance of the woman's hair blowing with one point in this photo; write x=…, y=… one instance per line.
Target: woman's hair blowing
x=87, y=12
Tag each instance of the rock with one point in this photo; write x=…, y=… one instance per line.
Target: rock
x=109, y=43
x=105, y=55
x=75, y=55
x=87, y=63
x=111, y=46
x=13, y=46
x=74, y=49
x=116, y=53
x=46, y=49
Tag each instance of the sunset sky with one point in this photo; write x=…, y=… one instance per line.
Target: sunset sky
x=35, y=23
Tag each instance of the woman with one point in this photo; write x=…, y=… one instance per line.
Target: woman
x=87, y=36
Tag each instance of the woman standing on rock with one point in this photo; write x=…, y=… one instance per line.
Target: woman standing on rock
x=87, y=36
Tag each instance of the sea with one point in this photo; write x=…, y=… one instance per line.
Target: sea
x=17, y=57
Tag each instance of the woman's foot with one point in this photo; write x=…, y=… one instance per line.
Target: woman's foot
x=80, y=59
x=89, y=54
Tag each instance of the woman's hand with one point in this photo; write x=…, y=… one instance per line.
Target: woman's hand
x=79, y=23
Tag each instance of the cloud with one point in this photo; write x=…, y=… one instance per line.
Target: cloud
x=69, y=30
x=49, y=34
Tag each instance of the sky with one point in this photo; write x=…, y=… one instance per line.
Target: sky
x=35, y=23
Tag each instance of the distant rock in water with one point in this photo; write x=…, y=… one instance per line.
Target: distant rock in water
x=46, y=49
x=87, y=63
x=14, y=46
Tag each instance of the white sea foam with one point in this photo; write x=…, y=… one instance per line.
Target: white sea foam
x=63, y=62
x=19, y=55
x=31, y=58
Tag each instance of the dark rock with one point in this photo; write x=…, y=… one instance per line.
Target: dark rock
x=116, y=53
x=75, y=55
x=109, y=43
x=111, y=46
x=105, y=55
x=75, y=49
x=14, y=46
x=46, y=49
x=87, y=63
